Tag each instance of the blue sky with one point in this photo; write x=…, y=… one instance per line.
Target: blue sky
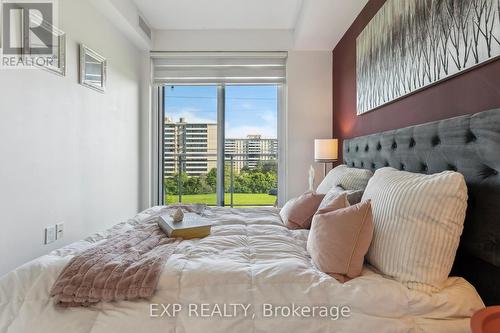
x=249, y=109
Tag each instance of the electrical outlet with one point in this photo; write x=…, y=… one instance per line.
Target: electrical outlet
x=50, y=234
x=59, y=230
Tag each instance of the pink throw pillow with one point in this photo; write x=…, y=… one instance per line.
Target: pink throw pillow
x=339, y=239
x=298, y=212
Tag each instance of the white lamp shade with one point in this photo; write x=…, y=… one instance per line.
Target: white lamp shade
x=326, y=150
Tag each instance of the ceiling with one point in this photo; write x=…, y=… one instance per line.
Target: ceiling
x=220, y=14
x=313, y=24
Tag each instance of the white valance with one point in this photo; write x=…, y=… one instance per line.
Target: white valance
x=219, y=67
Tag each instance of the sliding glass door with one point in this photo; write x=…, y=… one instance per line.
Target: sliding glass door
x=220, y=144
x=251, y=145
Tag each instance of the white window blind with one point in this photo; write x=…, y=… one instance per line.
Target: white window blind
x=219, y=67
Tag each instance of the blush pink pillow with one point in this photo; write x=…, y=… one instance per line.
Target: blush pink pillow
x=339, y=239
x=298, y=212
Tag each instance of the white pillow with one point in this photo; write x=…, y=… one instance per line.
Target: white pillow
x=348, y=178
x=418, y=220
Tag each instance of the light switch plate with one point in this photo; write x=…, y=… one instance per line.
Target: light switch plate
x=50, y=234
x=59, y=230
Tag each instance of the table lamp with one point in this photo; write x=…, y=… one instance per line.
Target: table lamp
x=326, y=151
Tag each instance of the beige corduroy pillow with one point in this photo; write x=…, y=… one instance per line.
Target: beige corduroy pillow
x=418, y=220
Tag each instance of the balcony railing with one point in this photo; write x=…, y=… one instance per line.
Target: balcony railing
x=249, y=180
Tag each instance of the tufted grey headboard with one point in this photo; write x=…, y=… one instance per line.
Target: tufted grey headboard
x=467, y=144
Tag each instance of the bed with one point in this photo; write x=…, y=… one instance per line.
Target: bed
x=252, y=260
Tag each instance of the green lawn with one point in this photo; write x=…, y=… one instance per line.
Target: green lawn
x=239, y=198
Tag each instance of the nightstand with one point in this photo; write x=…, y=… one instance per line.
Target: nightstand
x=486, y=320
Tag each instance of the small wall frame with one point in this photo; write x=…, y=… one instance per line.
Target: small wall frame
x=93, y=69
x=57, y=64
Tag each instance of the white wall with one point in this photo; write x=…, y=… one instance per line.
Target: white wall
x=125, y=16
x=309, y=114
x=69, y=154
x=222, y=40
x=146, y=122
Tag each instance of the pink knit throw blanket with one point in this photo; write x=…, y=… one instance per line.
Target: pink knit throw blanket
x=126, y=266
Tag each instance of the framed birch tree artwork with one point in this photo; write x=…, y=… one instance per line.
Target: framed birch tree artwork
x=411, y=44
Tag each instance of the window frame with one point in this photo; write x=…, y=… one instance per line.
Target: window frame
x=158, y=134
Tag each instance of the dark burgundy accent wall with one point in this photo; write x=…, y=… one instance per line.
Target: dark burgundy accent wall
x=470, y=92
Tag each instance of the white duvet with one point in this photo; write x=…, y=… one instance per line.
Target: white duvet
x=251, y=274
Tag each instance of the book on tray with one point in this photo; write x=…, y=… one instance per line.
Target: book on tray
x=191, y=226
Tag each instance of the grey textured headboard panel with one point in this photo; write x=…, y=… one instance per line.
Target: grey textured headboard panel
x=467, y=144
